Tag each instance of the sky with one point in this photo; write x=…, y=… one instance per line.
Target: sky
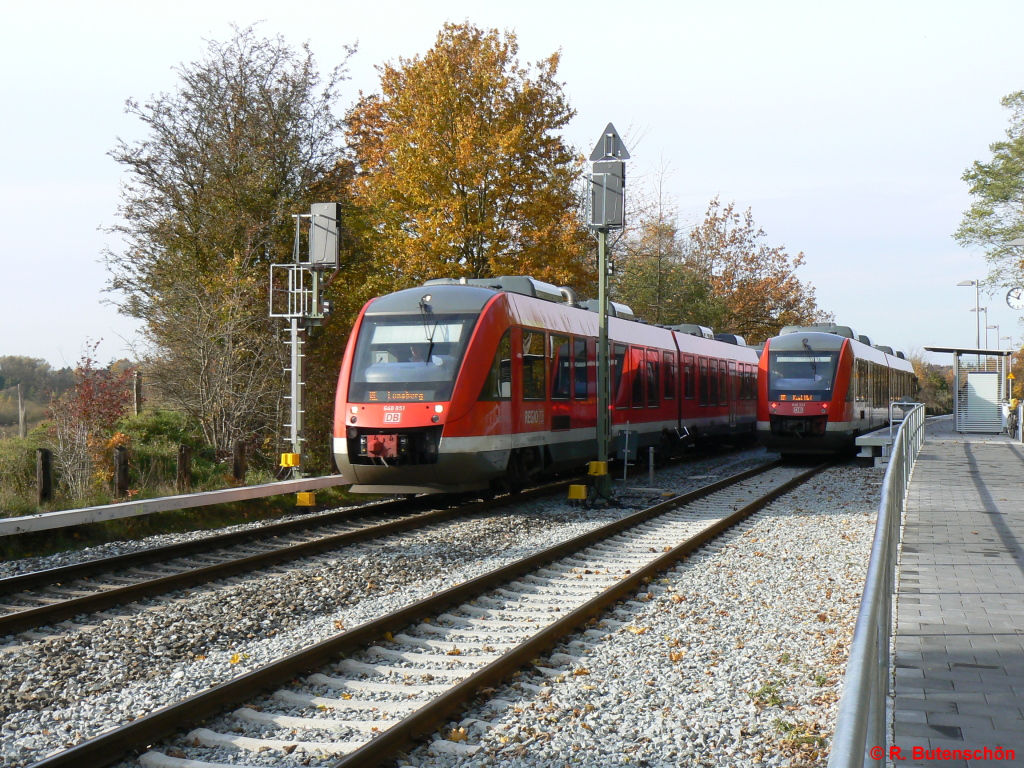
x=844, y=126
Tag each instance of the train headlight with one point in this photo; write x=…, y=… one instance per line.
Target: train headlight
x=824, y=406
x=773, y=406
x=354, y=409
x=438, y=408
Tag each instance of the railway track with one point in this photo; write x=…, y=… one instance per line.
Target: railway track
x=374, y=690
x=40, y=598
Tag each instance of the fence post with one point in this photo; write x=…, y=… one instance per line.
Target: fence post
x=44, y=476
x=238, y=466
x=184, y=480
x=120, y=471
x=137, y=392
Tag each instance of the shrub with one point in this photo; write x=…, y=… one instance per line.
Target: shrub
x=18, y=475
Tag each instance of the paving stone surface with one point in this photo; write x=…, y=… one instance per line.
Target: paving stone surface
x=960, y=629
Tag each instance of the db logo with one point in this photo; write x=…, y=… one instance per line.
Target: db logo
x=392, y=417
x=798, y=409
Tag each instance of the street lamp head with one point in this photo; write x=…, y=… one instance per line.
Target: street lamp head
x=968, y=282
x=992, y=327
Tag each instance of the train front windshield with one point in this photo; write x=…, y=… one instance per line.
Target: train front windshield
x=408, y=358
x=801, y=375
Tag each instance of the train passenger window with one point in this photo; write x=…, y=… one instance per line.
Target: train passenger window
x=704, y=386
x=730, y=386
x=668, y=369
x=689, y=388
x=561, y=370
x=579, y=362
x=652, y=378
x=498, y=384
x=620, y=395
x=636, y=363
x=534, y=365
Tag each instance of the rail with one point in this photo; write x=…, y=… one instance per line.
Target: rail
x=48, y=521
x=861, y=723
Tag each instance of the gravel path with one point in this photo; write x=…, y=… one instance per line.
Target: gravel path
x=734, y=659
x=61, y=690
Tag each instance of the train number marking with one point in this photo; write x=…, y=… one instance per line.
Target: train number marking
x=392, y=417
x=534, y=417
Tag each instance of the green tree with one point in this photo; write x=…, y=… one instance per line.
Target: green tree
x=248, y=139
x=461, y=168
x=996, y=214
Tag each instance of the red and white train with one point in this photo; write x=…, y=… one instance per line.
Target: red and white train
x=820, y=387
x=485, y=384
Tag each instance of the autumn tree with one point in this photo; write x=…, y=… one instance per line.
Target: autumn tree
x=652, y=273
x=755, y=282
x=248, y=139
x=461, y=167
x=996, y=214
x=82, y=420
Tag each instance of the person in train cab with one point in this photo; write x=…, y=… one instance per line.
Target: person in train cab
x=415, y=354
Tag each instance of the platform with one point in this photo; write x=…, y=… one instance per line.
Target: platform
x=959, y=644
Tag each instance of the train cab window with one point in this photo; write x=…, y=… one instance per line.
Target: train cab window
x=579, y=363
x=713, y=383
x=689, y=388
x=668, y=373
x=703, y=386
x=620, y=396
x=403, y=359
x=652, y=378
x=561, y=368
x=639, y=368
x=498, y=385
x=534, y=365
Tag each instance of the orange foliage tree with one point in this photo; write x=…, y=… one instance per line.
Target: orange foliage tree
x=754, y=284
x=461, y=170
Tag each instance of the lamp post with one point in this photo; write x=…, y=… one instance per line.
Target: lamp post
x=987, y=329
x=977, y=308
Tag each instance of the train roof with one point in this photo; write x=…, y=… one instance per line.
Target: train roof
x=818, y=340
x=438, y=297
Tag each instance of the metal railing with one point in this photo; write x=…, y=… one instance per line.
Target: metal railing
x=861, y=723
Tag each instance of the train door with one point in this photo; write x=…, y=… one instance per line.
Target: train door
x=561, y=383
x=733, y=394
x=530, y=411
x=670, y=393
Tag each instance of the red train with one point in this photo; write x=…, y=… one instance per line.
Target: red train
x=820, y=387
x=486, y=384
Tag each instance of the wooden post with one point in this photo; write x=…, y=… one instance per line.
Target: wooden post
x=44, y=476
x=239, y=464
x=184, y=481
x=22, y=426
x=120, y=471
x=137, y=392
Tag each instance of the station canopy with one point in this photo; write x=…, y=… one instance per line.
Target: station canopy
x=980, y=377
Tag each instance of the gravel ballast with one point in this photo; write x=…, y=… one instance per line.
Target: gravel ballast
x=61, y=690
x=735, y=658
